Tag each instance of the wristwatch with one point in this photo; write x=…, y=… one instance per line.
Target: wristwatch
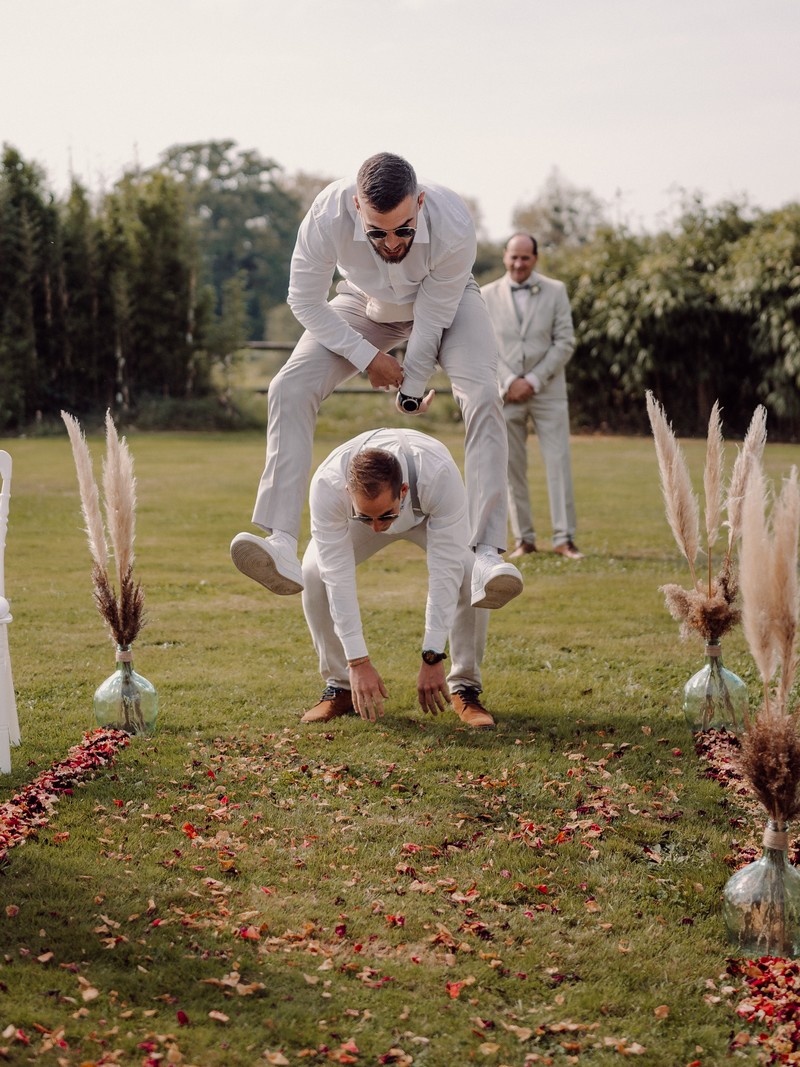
x=430, y=657
x=408, y=403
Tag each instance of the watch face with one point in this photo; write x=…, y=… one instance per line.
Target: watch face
x=432, y=657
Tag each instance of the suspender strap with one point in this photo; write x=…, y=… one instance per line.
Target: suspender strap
x=412, y=472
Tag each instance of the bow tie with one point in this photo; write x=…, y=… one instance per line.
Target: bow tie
x=516, y=288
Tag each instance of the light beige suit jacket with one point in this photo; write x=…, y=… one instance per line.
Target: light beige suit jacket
x=543, y=342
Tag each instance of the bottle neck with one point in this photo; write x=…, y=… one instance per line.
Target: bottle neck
x=124, y=658
x=776, y=838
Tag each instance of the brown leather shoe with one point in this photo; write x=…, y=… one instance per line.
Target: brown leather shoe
x=333, y=703
x=568, y=550
x=467, y=706
x=522, y=549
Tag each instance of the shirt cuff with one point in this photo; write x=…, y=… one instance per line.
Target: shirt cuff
x=534, y=380
x=362, y=357
x=354, y=646
x=435, y=640
x=413, y=386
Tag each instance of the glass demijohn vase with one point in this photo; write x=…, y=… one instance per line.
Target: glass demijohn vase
x=126, y=701
x=761, y=902
x=715, y=698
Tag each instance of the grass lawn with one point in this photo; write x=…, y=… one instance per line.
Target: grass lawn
x=240, y=890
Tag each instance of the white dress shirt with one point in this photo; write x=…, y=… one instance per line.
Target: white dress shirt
x=442, y=501
x=425, y=287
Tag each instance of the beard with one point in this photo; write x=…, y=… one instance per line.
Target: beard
x=392, y=257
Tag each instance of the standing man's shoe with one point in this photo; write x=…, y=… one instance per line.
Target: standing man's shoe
x=333, y=703
x=568, y=550
x=494, y=582
x=467, y=706
x=269, y=562
x=524, y=548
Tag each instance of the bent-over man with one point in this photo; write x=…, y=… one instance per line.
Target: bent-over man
x=384, y=486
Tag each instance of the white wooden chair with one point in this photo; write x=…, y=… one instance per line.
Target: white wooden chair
x=9, y=723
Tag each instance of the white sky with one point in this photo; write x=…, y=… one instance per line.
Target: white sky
x=632, y=99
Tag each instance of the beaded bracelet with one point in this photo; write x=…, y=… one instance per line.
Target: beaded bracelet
x=357, y=662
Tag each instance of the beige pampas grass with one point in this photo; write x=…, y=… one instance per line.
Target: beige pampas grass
x=123, y=608
x=770, y=756
x=676, y=486
x=90, y=501
x=752, y=450
x=712, y=478
x=708, y=608
x=769, y=582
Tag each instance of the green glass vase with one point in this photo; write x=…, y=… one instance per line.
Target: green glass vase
x=715, y=698
x=761, y=902
x=126, y=701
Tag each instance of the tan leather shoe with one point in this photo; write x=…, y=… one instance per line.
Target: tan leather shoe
x=468, y=707
x=524, y=548
x=568, y=550
x=333, y=703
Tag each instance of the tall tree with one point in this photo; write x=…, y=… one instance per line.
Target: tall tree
x=245, y=218
x=561, y=215
x=28, y=238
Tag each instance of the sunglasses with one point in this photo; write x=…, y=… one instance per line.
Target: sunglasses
x=404, y=232
x=390, y=516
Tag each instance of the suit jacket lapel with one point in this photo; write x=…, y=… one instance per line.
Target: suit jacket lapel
x=534, y=302
x=509, y=307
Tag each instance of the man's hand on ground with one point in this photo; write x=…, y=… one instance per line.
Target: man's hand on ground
x=368, y=691
x=432, y=691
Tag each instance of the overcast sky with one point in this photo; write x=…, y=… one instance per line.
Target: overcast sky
x=632, y=99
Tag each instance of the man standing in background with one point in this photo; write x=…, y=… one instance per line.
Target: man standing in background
x=533, y=324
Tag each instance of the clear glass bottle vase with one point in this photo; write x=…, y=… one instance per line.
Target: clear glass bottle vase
x=715, y=698
x=125, y=700
x=761, y=902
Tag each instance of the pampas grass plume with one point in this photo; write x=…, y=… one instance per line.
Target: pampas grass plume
x=712, y=479
x=751, y=451
x=681, y=503
x=119, y=490
x=754, y=558
x=122, y=609
x=87, y=487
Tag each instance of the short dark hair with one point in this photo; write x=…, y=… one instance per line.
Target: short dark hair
x=372, y=470
x=385, y=180
x=530, y=237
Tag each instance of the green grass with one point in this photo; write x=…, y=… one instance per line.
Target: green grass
x=371, y=865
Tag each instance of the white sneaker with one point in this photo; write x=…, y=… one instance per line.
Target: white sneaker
x=267, y=561
x=494, y=582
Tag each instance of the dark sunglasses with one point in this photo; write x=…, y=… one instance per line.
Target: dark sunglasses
x=404, y=232
x=390, y=516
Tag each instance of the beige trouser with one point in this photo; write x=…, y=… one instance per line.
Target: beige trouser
x=467, y=354
x=467, y=636
x=550, y=418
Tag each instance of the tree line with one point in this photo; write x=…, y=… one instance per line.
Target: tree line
x=133, y=296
